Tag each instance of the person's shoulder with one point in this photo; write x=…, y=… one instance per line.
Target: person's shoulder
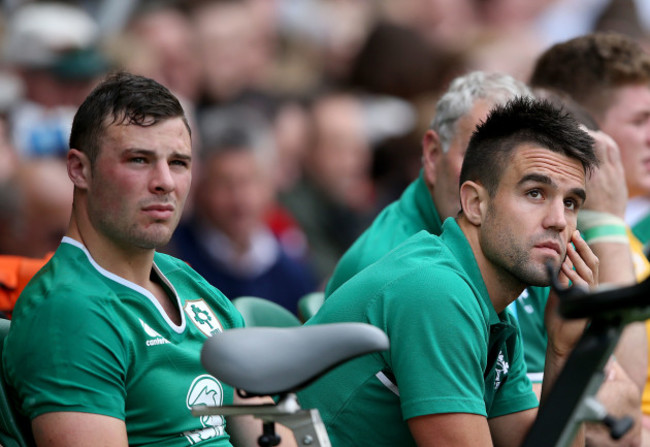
x=390, y=228
x=68, y=275
x=179, y=272
x=58, y=298
x=421, y=247
x=432, y=270
x=401, y=218
x=166, y=261
x=421, y=261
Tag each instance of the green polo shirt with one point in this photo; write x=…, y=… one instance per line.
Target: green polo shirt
x=414, y=212
x=529, y=310
x=450, y=351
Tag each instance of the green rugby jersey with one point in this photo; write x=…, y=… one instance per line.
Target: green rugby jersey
x=83, y=339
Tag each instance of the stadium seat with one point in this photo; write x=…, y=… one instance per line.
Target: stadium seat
x=309, y=304
x=262, y=312
x=14, y=429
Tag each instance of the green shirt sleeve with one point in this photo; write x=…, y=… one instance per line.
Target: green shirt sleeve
x=516, y=392
x=70, y=356
x=438, y=343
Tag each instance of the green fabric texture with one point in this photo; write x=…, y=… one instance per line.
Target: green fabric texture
x=414, y=212
x=450, y=351
x=84, y=339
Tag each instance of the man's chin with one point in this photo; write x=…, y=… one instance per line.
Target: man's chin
x=153, y=241
x=538, y=276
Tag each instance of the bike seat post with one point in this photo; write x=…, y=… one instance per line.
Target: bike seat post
x=269, y=437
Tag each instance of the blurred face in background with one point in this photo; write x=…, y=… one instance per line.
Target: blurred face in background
x=340, y=157
x=236, y=50
x=233, y=193
x=170, y=36
x=46, y=202
x=627, y=121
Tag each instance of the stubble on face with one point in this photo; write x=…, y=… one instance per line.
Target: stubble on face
x=122, y=189
x=514, y=256
x=530, y=217
x=133, y=233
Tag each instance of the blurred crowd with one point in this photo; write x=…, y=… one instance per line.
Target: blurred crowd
x=307, y=114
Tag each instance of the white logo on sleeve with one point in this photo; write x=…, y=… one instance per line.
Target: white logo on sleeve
x=154, y=338
x=523, y=301
x=206, y=390
x=502, y=368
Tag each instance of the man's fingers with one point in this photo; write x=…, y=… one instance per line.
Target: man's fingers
x=583, y=260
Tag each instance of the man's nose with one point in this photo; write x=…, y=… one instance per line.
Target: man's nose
x=162, y=179
x=556, y=215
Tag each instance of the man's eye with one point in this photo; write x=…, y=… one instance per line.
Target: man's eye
x=535, y=193
x=570, y=204
x=137, y=160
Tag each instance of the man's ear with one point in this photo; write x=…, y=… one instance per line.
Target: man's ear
x=78, y=168
x=473, y=201
x=431, y=152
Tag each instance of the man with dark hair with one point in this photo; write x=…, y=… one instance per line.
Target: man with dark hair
x=433, y=196
x=454, y=374
x=104, y=346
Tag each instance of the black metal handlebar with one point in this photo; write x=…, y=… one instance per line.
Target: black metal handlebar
x=571, y=401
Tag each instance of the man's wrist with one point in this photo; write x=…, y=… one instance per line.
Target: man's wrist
x=598, y=226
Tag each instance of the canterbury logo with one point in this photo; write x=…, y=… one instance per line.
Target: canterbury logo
x=154, y=337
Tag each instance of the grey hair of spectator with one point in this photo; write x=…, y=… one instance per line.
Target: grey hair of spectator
x=237, y=128
x=463, y=93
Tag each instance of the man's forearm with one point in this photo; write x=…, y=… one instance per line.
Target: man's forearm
x=620, y=397
x=616, y=264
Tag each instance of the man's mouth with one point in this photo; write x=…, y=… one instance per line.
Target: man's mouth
x=550, y=246
x=159, y=212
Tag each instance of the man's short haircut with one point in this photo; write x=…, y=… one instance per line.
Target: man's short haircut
x=590, y=67
x=462, y=94
x=121, y=98
x=520, y=121
x=565, y=101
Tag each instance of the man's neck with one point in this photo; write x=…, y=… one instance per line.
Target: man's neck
x=502, y=287
x=132, y=264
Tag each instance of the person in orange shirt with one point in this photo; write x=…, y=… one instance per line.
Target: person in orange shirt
x=15, y=273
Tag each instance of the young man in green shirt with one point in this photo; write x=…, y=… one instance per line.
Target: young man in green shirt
x=105, y=341
x=454, y=373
